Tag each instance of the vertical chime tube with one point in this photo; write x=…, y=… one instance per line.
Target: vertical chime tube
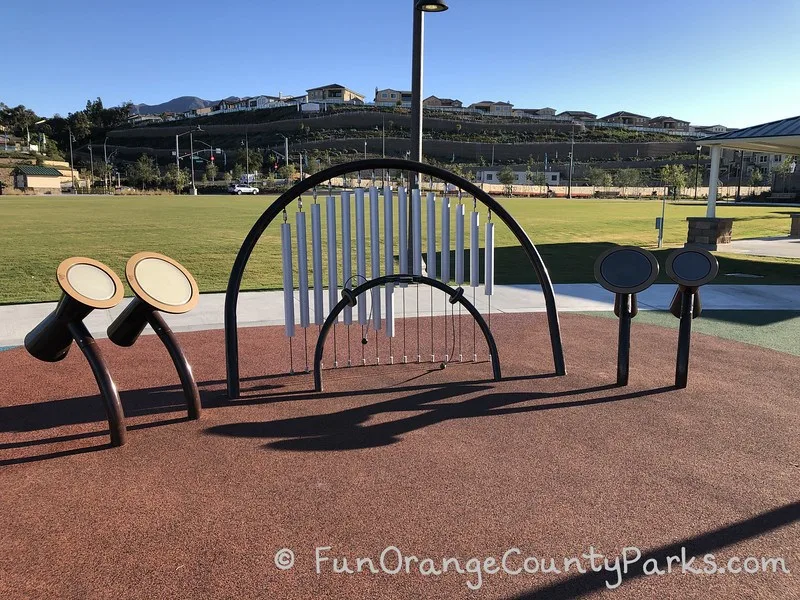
x=361, y=253
x=416, y=231
x=333, y=271
x=347, y=255
x=288, y=280
x=316, y=263
x=402, y=210
x=302, y=268
x=474, y=250
x=445, y=269
x=459, y=244
x=488, y=261
x=375, y=256
x=388, y=256
x=431, y=263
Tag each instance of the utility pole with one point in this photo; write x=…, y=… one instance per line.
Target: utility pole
x=247, y=153
x=696, y=172
x=71, y=162
x=105, y=172
x=191, y=156
x=91, y=164
x=383, y=136
x=741, y=168
x=571, y=162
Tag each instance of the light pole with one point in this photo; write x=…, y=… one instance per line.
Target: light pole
x=571, y=162
x=27, y=129
x=420, y=7
x=365, y=149
x=91, y=166
x=71, y=162
x=105, y=159
x=697, y=171
x=191, y=150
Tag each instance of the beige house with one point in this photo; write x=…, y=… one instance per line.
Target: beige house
x=436, y=102
x=390, y=97
x=626, y=118
x=500, y=109
x=33, y=178
x=334, y=94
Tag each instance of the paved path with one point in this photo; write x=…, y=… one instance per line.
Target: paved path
x=266, y=308
x=782, y=247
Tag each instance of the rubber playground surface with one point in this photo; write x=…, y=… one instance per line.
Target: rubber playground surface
x=434, y=463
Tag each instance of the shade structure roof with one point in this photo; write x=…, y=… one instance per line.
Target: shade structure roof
x=778, y=136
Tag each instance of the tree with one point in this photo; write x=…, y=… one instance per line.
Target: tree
x=18, y=119
x=756, y=177
x=599, y=177
x=628, y=178
x=286, y=172
x=506, y=177
x=674, y=176
x=695, y=174
x=143, y=172
x=251, y=158
x=80, y=125
x=176, y=178
x=783, y=169
x=212, y=171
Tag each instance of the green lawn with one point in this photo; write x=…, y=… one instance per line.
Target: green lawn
x=205, y=232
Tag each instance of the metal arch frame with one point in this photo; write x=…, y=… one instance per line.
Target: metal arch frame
x=269, y=215
x=456, y=295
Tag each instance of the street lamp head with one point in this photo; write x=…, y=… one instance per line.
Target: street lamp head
x=431, y=5
x=699, y=148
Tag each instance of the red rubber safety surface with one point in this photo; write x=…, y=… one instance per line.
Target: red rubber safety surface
x=437, y=463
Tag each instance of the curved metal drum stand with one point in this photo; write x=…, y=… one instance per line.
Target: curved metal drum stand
x=625, y=271
x=87, y=285
x=690, y=268
x=160, y=284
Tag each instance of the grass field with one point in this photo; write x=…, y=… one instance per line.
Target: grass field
x=205, y=232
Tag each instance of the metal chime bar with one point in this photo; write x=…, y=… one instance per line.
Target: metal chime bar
x=288, y=279
x=416, y=231
x=333, y=271
x=375, y=257
x=488, y=261
x=302, y=267
x=474, y=271
x=388, y=258
x=431, y=262
x=402, y=228
x=459, y=262
x=445, y=262
x=347, y=255
x=316, y=262
x=361, y=253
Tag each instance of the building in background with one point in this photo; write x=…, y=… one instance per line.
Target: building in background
x=334, y=94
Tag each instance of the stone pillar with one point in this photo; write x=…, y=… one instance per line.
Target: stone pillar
x=708, y=232
x=713, y=179
x=794, y=232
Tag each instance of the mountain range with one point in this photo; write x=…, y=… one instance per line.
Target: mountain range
x=176, y=105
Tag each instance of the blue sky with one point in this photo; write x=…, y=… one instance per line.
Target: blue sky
x=733, y=62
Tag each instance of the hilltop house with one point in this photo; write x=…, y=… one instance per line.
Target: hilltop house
x=492, y=175
x=500, y=109
x=626, y=118
x=662, y=122
x=390, y=97
x=435, y=102
x=578, y=115
x=334, y=94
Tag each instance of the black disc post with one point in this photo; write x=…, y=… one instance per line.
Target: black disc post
x=684, y=338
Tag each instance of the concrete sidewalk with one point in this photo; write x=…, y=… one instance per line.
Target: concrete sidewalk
x=266, y=308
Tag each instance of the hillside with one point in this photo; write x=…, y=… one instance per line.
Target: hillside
x=176, y=105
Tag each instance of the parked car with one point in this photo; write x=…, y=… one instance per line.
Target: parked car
x=242, y=188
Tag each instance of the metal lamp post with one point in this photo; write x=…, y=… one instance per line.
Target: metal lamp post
x=697, y=171
x=191, y=151
x=71, y=162
x=420, y=7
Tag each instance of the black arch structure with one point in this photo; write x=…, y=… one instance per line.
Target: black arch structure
x=349, y=298
x=269, y=215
